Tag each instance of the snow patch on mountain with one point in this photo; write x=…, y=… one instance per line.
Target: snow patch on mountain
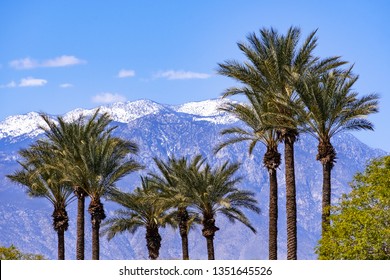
x=27, y=124
x=122, y=112
x=208, y=110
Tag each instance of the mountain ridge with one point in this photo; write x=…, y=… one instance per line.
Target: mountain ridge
x=123, y=112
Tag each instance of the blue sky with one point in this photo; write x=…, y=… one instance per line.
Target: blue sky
x=56, y=56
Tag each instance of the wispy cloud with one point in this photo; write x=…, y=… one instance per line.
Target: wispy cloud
x=124, y=73
x=108, y=97
x=32, y=82
x=66, y=85
x=26, y=82
x=181, y=75
x=61, y=61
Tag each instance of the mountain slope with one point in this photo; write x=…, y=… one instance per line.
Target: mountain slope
x=162, y=130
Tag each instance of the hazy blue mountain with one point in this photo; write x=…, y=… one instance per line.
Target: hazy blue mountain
x=184, y=130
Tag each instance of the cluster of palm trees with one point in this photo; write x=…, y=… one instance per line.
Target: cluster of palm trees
x=81, y=158
x=183, y=192
x=75, y=160
x=288, y=91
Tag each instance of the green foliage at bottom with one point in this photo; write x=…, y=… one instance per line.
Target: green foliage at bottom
x=360, y=223
x=12, y=253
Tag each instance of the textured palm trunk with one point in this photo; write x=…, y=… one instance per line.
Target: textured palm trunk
x=96, y=210
x=60, y=225
x=327, y=156
x=291, y=204
x=273, y=215
x=271, y=162
x=61, y=244
x=80, y=242
x=210, y=248
x=153, y=241
x=208, y=232
x=183, y=227
x=326, y=195
x=80, y=228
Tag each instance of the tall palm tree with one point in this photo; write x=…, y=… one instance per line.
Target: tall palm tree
x=141, y=210
x=331, y=106
x=43, y=181
x=173, y=193
x=66, y=139
x=213, y=192
x=255, y=119
x=275, y=64
x=104, y=162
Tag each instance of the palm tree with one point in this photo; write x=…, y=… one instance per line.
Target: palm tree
x=214, y=191
x=141, y=210
x=43, y=181
x=255, y=119
x=104, y=162
x=66, y=139
x=275, y=65
x=172, y=193
x=332, y=107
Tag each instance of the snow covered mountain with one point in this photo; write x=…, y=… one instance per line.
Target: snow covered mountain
x=183, y=130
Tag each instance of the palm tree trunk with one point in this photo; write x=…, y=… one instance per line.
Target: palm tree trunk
x=184, y=246
x=327, y=156
x=153, y=241
x=183, y=228
x=60, y=225
x=95, y=239
x=273, y=215
x=326, y=195
x=291, y=204
x=208, y=232
x=80, y=227
x=271, y=161
x=210, y=247
x=96, y=210
x=61, y=244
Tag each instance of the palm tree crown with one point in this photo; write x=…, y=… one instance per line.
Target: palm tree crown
x=142, y=209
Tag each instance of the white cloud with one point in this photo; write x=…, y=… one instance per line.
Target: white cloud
x=66, y=85
x=32, y=82
x=126, y=73
x=25, y=63
x=61, y=61
x=26, y=82
x=181, y=75
x=108, y=97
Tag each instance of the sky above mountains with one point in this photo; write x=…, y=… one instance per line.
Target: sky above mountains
x=56, y=56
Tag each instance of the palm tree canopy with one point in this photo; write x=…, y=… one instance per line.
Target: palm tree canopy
x=41, y=177
x=140, y=210
x=104, y=161
x=255, y=118
x=168, y=181
x=331, y=105
x=214, y=191
x=93, y=159
x=275, y=64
